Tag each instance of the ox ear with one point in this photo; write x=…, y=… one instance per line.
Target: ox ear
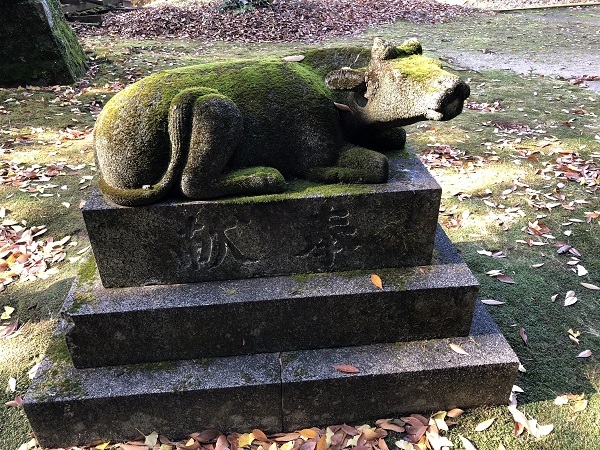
x=346, y=79
x=383, y=50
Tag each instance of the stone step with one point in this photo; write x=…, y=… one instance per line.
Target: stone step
x=274, y=392
x=264, y=315
x=311, y=228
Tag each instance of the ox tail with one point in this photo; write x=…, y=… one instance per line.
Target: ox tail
x=179, y=126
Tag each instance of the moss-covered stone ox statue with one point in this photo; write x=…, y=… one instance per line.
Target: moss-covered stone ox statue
x=241, y=128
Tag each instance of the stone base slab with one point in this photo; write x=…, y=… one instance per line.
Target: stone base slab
x=311, y=228
x=276, y=391
x=263, y=315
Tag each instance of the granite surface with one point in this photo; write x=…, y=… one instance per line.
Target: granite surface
x=274, y=392
x=221, y=318
x=311, y=228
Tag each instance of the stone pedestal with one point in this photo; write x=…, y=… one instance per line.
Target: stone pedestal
x=231, y=314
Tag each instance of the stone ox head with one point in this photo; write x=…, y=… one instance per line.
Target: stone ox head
x=399, y=87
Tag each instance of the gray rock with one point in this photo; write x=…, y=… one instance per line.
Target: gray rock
x=399, y=378
x=198, y=320
x=46, y=53
x=274, y=392
x=316, y=228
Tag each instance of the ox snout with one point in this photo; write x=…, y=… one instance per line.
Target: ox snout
x=450, y=102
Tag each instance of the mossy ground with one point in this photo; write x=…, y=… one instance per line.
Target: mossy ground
x=549, y=357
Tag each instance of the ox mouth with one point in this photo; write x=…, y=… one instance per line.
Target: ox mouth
x=446, y=112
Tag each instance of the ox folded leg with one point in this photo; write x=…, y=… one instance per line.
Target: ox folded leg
x=354, y=165
x=216, y=130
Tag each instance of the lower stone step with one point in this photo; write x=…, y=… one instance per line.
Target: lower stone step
x=264, y=315
x=274, y=392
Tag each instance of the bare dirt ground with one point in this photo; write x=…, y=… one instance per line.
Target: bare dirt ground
x=556, y=42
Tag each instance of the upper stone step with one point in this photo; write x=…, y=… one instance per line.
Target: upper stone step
x=311, y=228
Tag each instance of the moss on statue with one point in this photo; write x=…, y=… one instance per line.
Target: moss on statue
x=244, y=127
x=48, y=53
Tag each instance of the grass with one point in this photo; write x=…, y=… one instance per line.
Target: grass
x=540, y=103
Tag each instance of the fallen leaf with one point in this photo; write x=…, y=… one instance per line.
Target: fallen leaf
x=307, y=433
x=581, y=271
x=523, y=335
x=454, y=413
x=18, y=401
x=458, y=349
x=346, y=368
x=102, y=446
x=287, y=437
x=293, y=58
x=8, y=310
x=246, y=439
x=590, y=286
x=570, y=301
x=585, y=354
x=519, y=417
x=342, y=107
x=466, y=443
x=287, y=446
x=151, y=439
x=12, y=385
x=322, y=443
x=492, y=302
x=376, y=280
x=485, y=424
x=561, y=400
x=579, y=406
x=261, y=436
x=505, y=279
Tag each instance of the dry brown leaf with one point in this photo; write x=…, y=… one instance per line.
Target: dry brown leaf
x=523, y=335
x=458, y=349
x=308, y=433
x=453, y=413
x=17, y=402
x=376, y=280
x=505, y=279
x=287, y=437
x=485, y=424
x=392, y=427
x=579, y=406
x=346, y=368
x=382, y=444
x=322, y=443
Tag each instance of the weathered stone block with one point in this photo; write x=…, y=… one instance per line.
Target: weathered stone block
x=67, y=406
x=47, y=53
x=220, y=318
x=395, y=379
x=313, y=228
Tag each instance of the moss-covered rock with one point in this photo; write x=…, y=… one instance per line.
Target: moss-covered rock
x=243, y=127
x=37, y=46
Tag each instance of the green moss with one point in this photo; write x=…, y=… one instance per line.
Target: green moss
x=57, y=351
x=81, y=299
x=419, y=68
x=87, y=272
x=59, y=378
x=288, y=357
x=301, y=372
x=324, y=60
x=409, y=48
